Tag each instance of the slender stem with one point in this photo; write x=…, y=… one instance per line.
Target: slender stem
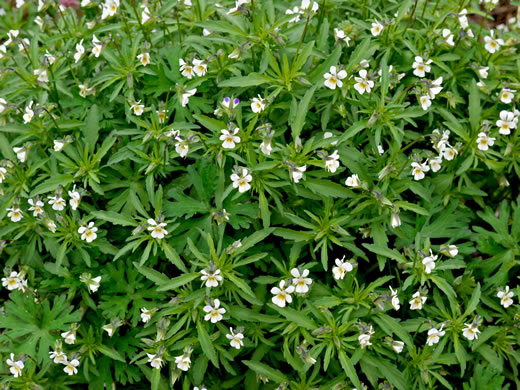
x=303, y=34
x=56, y=97
x=178, y=27
x=132, y=3
x=435, y=8
x=412, y=16
x=424, y=8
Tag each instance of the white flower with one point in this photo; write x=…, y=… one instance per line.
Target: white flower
x=80, y=50
x=296, y=12
x=98, y=46
x=377, y=28
x=435, y=87
x=341, y=269
x=397, y=346
x=434, y=335
x=42, y=75
x=186, y=68
x=15, y=366
x=282, y=295
x=429, y=262
x=236, y=339
x=395, y=299
x=138, y=108
x=435, y=163
x=446, y=34
x=395, y=221
x=449, y=153
x=144, y=57
x=364, y=338
x=425, y=102
x=505, y=297
x=328, y=134
x=185, y=98
x=15, y=214
x=3, y=103
x=242, y=180
x=353, y=181
x=70, y=367
x=109, y=8
x=214, y=312
x=93, y=284
x=362, y=83
x=3, y=172
x=75, y=197
x=57, y=202
x=109, y=328
x=58, y=357
x=301, y=281
x=88, y=233
x=21, y=153
x=200, y=67
x=36, y=207
x=333, y=78
x=11, y=35
x=306, y=4
x=211, y=277
x=145, y=15
x=154, y=360
x=506, y=122
x=483, y=71
x=297, y=173
x=265, y=147
x=257, y=104
x=463, y=20
x=183, y=362
x=69, y=336
x=421, y=67
x=157, y=229
x=84, y=90
x=12, y=282
x=145, y=314
x=182, y=147
x=29, y=113
x=471, y=331
x=380, y=149
x=452, y=250
x=341, y=36
x=331, y=162
x=507, y=95
x=492, y=45
x=206, y=32
x=418, y=170
x=59, y=144
x=229, y=138
x=418, y=301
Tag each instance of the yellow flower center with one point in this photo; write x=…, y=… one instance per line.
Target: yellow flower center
x=281, y=296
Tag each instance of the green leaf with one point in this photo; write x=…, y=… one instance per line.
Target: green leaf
x=474, y=301
x=348, y=367
x=251, y=80
x=265, y=370
x=206, y=344
x=91, y=128
x=474, y=107
x=156, y=379
x=390, y=325
x=300, y=319
x=110, y=352
x=178, y=281
x=301, y=113
x=328, y=188
x=115, y=218
x=153, y=275
x=387, y=252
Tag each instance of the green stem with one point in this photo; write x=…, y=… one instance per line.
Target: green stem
x=56, y=97
x=178, y=27
x=412, y=16
x=304, y=32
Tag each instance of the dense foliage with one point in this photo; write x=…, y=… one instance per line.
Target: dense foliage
x=259, y=195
